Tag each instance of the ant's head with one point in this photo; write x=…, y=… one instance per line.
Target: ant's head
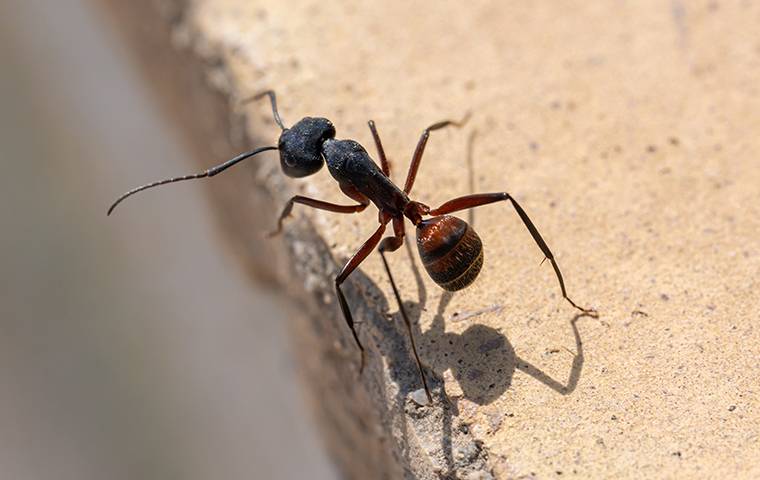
x=301, y=146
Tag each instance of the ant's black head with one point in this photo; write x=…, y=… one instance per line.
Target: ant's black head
x=300, y=150
x=301, y=146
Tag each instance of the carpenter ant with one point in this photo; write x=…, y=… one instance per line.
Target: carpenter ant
x=451, y=251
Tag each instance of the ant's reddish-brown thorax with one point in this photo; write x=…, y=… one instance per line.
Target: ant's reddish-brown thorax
x=451, y=251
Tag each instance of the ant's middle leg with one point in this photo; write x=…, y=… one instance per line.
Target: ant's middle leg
x=417, y=158
x=384, y=164
x=477, y=200
x=350, y=266
x=314, y=203
x=391, y=244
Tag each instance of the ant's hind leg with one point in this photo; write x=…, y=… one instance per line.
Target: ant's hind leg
x=477, y=200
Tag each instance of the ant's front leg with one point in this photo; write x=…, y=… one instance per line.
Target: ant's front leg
x=318, y=204
x=477, y=200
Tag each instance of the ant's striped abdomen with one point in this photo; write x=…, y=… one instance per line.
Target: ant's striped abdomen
x=451, y=251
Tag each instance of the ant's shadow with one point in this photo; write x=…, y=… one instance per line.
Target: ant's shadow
x=480, y=358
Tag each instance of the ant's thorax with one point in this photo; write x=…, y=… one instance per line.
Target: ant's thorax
x=350, y=164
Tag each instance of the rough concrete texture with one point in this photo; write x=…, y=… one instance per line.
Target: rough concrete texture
x=627, y=130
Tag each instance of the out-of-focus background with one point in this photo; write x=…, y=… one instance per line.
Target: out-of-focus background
x=130, y=346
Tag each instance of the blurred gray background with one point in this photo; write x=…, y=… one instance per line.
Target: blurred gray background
x=131, y=346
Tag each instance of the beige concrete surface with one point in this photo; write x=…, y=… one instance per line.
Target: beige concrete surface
x=627, y=130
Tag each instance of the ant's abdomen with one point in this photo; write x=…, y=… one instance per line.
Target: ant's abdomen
x=451, y=251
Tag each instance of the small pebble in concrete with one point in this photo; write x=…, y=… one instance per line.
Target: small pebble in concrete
x=481, y=475
x=420, y=397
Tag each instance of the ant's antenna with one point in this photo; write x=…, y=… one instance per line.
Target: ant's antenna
x=273, y=99
x=208, y=173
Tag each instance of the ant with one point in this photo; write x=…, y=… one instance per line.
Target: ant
x=450, y=249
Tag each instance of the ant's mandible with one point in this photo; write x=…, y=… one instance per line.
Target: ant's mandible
x=449, y=248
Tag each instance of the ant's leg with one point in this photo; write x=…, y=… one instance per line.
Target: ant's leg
x=471, y=201
x=381, y=153
x=272, y=100
x=350, y=266
x=391, y=244
x=318, y=204
x=415, y=165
